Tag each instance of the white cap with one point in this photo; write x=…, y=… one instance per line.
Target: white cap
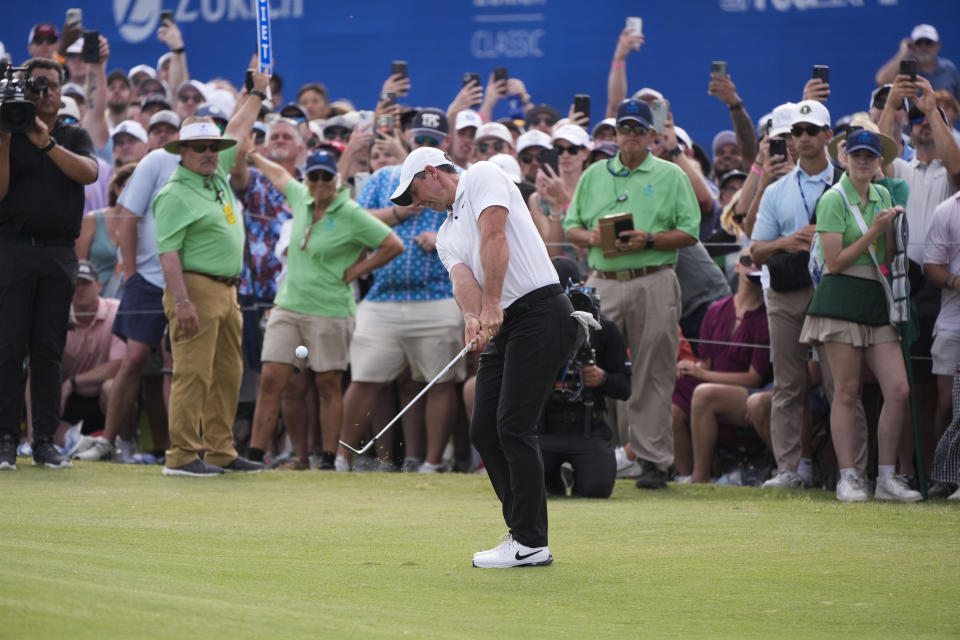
x=196, y=84
x=762, y=123
x=813, y=112
x=69, y=108
x=533, y=138
x=130, y=127
x=73, y=89
x=571, y=133
x=200, y=131
x=224, y=100
x=683, y=136
x=416, y=162
x=141, y=68
x=647, y=92
x=924, y=31
x=606, y=122
x=494, y=130
x=167, y=56
x=509, y=165
x=468, y=118
x=782, y=118
x=164, y=117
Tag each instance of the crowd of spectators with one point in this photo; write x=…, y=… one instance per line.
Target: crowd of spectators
x=699, y=254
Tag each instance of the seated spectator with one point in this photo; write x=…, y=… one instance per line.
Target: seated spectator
x=92, y=355
x=710, y=397
x=100, y=236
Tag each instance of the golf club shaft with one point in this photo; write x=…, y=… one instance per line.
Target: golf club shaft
x=365, y=447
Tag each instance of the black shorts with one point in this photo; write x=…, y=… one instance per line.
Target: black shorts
x=140, y=315
x=86, y=408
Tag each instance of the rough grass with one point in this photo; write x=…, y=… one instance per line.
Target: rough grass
x=111, y=551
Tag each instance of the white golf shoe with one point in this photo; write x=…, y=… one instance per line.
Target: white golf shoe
x=510, y=553
x=895, y=488
x=626, y=468
x=852, y=489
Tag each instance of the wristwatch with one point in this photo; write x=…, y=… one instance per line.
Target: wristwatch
x=650, y=241
x=49, y=146
x=676, y=151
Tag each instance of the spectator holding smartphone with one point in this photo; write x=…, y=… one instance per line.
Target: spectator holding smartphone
x=923, y=45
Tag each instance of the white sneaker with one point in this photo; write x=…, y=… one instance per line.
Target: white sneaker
x=626, y=468
x=954, y=496
x=510, y=553
x=683, y=479
x=100, y=449
x=896, y=489
x=427, y=467
x=852, y=489
x=785, y=480
x=81, y=445
x=340, y=463
x=127, y=448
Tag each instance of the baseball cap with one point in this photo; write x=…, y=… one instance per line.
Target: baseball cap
x=606, y=122
x=541, y=110
x=223, y=100
x=647, y=92
x=211, y=110
x=87, y=271
x=293, y=110
x=924, y=32
x=334, y=146
x=416, y=162
x=337, y=121
x=321, y=159
x=196, y=85
x=683, y=136
x=723, y=138
x=155, y=98
x=118, y=74
x=509, y=165
x=730, y=175
x=494, y=130
x=132, y=128
x=432, y=122
x=636, y=110
x=167, y=56
x=812, y=112
x=608, y=149
x=141, y=68
x=567, y=270
x=573, y=134
x=43, y=30
x=164, y=117
x=864, y=139
x=861, y=121
x=468, y=118
x=75, y=90
x=69, y=109
x=533, y=138
x=782, y=119
x=151, y=85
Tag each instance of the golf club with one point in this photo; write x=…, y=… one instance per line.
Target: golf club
x=365, y=447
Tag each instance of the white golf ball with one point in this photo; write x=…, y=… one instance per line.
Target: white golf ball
x=301, y=352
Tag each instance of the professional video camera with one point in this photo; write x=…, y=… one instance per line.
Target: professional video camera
x=17, y=114
x=569, y=386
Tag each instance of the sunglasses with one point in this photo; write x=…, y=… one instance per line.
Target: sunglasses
x=572, y=150
x=542, y=120
x=638, y=128
x=880, y=103
x=44, y=40
x=811, y=130
x=335, y=132
x=527, y=158
x=918, y=120
x=202, y=148
x=498, y=146
x=320, y=174
x=426, y=141
x=190, y=97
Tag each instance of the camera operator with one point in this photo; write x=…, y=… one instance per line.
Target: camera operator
x=42, y=174
x=572, y=428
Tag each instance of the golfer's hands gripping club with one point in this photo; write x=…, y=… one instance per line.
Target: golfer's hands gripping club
x=479, y=329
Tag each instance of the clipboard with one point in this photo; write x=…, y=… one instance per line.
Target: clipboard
x=610, y=227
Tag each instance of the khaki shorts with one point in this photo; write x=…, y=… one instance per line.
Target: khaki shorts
x=946, y=353
x=326, y=339
x=390, y=335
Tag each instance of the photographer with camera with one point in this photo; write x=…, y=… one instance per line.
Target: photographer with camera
x=572, y=427
x=44, y=165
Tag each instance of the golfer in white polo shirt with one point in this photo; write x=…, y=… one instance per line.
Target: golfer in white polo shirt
x=511, y=300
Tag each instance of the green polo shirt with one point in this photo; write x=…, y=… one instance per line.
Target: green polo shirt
x=657, y=193
x=198, y=217
x=833, y=216
x=314, y=281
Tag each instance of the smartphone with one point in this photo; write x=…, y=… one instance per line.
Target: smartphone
x=500, y=73
x=909, y=68
x=778, y=147
x=248, y=80
x=398, y=67
x=550, y=157
x=389, y=97
x=166, y=16
x=581, y=104
x=91, y=46
x=385, y=124
x=660, y=110
x=365, y=121
x=625, y=224
x=635, y=25
x=471, y=77
x=74, y=16
x=822, y=72
x=718, y=68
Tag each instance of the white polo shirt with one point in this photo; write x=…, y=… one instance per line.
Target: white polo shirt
x=929, y=186
x=458, y=242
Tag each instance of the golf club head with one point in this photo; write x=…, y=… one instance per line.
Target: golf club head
x=362, y=450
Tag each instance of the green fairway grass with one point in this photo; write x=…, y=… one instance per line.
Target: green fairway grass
x=119, y=551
